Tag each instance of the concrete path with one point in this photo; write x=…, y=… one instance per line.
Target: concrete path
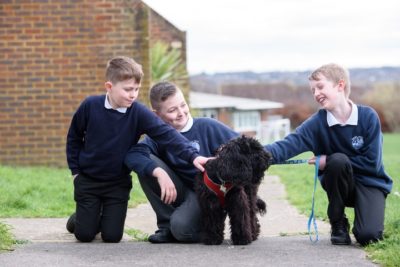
x=282, y=243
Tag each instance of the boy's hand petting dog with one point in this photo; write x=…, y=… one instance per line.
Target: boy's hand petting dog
x=168, y=190
x=199, y=162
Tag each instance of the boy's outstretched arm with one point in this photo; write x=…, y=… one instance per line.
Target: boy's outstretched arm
x=138, y=160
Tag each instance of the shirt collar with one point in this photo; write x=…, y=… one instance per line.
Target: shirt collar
x=352, y=120
x=188, y=125
x=107, y=105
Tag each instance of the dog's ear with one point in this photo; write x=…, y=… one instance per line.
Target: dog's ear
x=260, y=159
x=261, y=162
x=265, y=159
x=211, y=167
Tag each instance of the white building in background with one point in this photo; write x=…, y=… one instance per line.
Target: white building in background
x=255, y=117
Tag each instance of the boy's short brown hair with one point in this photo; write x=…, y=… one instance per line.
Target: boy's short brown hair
x=334, y=73
x=160, y=92
x=123, y=68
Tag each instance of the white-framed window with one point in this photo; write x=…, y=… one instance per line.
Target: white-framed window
x=208, y=113
x=246, y=121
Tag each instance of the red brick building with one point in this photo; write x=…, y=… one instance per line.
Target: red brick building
x=53, y=54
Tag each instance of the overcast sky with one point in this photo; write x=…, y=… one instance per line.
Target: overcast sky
x=280, y=35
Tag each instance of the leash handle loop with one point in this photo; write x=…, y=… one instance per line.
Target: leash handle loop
x=311, y=219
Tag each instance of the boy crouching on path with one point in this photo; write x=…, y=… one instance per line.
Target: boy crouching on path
x=102, y=130
x=348, y=139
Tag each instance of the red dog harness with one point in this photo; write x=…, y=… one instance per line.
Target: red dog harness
x=219, y=189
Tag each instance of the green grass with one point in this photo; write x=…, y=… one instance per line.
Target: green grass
x=137, y=235
x=33, y=192
x=43, y=192
x=298, y=180
x=6, y=238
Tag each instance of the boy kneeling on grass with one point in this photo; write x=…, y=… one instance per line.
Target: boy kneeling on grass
x=102, y=131
x=348, y=139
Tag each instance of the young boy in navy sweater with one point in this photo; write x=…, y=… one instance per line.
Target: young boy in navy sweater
x=102, y=130
x=348, y=139
x=168, y=181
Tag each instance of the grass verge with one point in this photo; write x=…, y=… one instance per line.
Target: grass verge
x=34, y=192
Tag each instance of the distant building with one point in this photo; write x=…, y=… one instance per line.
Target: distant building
x=254, y=117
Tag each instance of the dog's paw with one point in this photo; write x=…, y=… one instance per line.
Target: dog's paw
x=261, y=206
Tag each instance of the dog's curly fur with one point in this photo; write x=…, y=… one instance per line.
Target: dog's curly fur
x=242, y=162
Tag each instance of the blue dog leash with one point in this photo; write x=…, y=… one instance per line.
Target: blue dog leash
x=311, y=219
x=290, y=161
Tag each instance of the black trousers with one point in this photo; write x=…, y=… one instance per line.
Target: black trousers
x=344, y=191
x=100, y=205
x=182, y=217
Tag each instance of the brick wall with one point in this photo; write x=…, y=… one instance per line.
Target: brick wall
x=52, y=55
x=225, y=116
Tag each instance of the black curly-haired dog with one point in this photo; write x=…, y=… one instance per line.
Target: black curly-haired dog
x=229, y=186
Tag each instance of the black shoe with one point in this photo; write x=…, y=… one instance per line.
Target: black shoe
x=71, y=223
x=340, y=232
x=162, y=236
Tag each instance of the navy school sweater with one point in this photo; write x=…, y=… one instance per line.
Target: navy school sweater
x=99, y=138
x=206, y=135
x=362, y=143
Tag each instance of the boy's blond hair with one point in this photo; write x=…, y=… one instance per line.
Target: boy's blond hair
x=334, y=73
x=123, y=68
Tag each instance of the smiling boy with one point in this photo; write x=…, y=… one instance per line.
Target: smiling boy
x=167, y=180
x=348, y=139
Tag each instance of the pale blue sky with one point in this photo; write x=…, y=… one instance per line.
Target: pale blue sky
x=269, y=35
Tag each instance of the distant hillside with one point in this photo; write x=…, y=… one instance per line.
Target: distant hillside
x=378, y=87
x=359, y=76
